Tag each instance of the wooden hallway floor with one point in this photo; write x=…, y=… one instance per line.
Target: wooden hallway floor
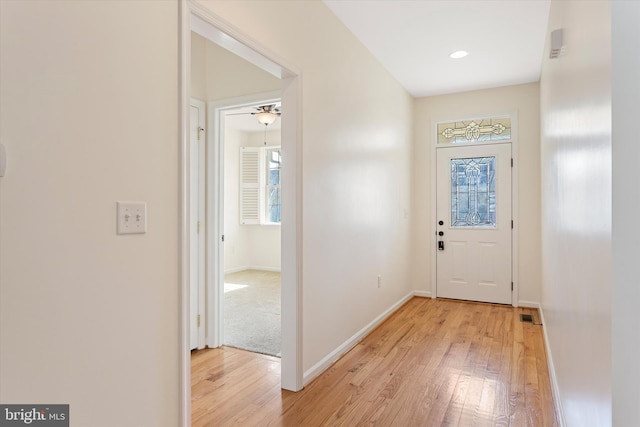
x=432, y=363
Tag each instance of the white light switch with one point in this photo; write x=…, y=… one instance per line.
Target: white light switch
x=132, y=217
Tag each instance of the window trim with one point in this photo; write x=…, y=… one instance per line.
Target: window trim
x=264, y=188
x=254, y=177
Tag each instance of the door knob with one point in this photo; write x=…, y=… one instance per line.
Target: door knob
x=440, y=222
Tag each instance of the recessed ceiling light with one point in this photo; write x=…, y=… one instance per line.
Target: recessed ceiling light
x=459, y=54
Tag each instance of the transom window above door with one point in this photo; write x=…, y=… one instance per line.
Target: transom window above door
x=474, y=131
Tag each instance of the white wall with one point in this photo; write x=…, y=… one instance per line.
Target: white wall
x=229, y=76
x=356, y=168
x=88, y=114
x=520, y=99
x=246, y=246
x=626, y=205
x=236, y=254
x=198, y=67
x=576, y=209
x=218, y=74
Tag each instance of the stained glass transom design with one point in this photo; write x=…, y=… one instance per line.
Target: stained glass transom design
x=473, y=192
x=478, y=130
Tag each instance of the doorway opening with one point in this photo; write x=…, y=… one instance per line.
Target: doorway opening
x=252, y=165
x=198, y=19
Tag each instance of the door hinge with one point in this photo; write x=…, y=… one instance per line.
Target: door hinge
x=198, y=320
x=198, y=227
x=223, y=237
x=512, y=162
x=511, y=289
x=512, y=224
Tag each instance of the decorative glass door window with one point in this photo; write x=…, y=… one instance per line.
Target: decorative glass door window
x=473, y=192
x=476, y=130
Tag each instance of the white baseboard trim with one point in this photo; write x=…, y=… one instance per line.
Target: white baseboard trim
x=529, y=304
x=262, y=268
x=235, y=270
x=317, y=369
x=552, y=371
x=251, y=267
x=422, y=294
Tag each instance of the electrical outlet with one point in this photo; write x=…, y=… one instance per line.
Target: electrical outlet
x=132, y=217
x=379, y=281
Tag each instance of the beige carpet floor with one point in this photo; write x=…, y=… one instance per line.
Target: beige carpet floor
x=252, y=311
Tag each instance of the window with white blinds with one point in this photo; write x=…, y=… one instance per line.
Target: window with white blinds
x=250, y=185
x=260, y=185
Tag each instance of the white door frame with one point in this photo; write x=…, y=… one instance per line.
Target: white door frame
x=514, y=197
x=202, y=229
x=216, y=111
x=193, y=14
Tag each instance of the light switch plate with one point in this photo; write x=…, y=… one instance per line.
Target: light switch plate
x=132, y=217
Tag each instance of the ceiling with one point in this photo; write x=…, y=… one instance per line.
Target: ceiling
x=413, y=39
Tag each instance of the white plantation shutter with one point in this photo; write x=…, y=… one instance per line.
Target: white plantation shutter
x=250, y=185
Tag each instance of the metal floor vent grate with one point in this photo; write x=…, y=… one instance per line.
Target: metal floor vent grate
x=526, y=318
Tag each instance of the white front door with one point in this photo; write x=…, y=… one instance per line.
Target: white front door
x=474, y=223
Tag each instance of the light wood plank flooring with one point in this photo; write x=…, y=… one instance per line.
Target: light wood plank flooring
x=433, y=363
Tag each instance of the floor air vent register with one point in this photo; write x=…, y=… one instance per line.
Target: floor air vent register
x=527, y=318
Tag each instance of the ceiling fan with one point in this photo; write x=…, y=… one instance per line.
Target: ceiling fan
x=266, y=114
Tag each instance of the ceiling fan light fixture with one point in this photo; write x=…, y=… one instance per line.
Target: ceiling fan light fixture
x=458, y=54
x=266, y=118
